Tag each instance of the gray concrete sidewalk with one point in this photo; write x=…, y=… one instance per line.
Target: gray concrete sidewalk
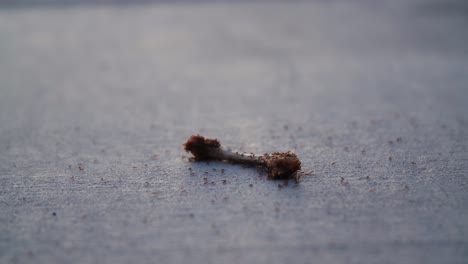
x=95, y=102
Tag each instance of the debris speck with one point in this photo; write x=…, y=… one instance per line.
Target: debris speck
x=343, y=181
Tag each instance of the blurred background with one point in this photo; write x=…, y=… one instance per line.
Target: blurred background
x=97, y=97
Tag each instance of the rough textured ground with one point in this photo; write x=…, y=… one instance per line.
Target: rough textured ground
x=95, y=102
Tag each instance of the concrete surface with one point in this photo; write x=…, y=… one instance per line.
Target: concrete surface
x=95, y=102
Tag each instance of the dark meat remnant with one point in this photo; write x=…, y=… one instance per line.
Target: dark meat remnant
x=201, y=148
